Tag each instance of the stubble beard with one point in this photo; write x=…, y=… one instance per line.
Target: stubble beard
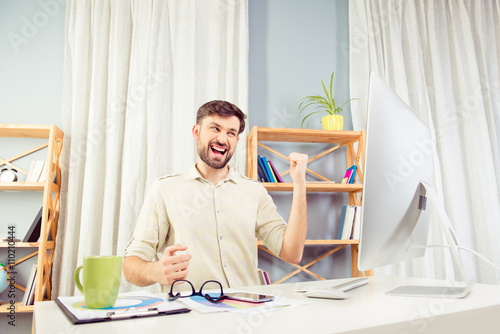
x=214, y=163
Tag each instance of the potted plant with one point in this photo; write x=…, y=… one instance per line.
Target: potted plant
x=332, y=121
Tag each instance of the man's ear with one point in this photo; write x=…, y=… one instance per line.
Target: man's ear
x=196, y=132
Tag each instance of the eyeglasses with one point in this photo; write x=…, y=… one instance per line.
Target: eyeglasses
x=214, y=296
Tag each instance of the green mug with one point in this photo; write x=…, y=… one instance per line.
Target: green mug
x=101, y=280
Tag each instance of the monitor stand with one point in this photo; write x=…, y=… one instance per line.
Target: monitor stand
x=457, y=290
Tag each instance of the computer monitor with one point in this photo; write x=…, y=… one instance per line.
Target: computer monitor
x=398, y=179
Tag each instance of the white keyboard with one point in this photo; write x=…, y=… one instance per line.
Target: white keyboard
x=346, y=286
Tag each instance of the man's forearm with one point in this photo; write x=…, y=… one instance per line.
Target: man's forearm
x=166, y=270
x=137, y=271
x=296, y=231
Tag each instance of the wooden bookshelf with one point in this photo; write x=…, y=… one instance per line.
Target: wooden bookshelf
x=27, y=186
x=19, y=308
x=354, y=144
x=44, y=248
x=5, y=244
x=316, y=187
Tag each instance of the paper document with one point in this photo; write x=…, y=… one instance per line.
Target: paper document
x=202, y=305
x=128, y=305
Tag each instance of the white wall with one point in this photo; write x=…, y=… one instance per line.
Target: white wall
x=294, y=44
x=31, y=68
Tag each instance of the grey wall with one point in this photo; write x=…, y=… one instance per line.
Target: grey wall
x=31, y=68
x=294, y=44
x=31, y=61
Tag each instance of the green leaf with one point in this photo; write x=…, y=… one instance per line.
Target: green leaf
x=331, y=92
x=324, y=104
x=354, y=98
x=310, y=115
x=328, y=97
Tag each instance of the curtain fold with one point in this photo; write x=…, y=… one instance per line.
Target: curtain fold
x=441, y=57
x=135, y=74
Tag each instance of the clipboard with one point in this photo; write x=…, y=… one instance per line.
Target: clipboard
x=128, y=305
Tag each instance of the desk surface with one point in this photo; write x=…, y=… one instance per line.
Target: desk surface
x=367, y=310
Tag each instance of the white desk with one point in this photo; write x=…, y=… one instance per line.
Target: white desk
x=367, y=310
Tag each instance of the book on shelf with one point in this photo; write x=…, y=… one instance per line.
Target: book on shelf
x=341, y=222
x=352, y=176
x=41, y=178
x=266, y=276
x=267, y=169
x=260, y=172
x=260, y=162
x=347, y=176
x=31, y=297
x=348, y=221
x=271, y=172
x=29, y=293
x=35, y=171
x=33, y=233
x=356, y=227
x=275, y=172
x=262, y=279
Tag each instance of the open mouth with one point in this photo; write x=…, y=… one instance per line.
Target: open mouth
x=218, y=151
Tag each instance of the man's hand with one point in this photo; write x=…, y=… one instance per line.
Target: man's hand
x=298, y=166
x=171, y=267
x=165, y=271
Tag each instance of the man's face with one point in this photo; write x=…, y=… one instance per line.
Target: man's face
x=217, y=138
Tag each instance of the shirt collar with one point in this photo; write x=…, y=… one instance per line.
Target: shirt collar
x=233, y=176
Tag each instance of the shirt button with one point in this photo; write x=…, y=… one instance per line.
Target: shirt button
x=225, y=265
x=220, y=238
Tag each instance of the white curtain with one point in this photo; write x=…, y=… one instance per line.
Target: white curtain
x=442, y=58
x=135, y=74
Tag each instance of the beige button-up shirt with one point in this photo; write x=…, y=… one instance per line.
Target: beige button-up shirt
x=218, y=224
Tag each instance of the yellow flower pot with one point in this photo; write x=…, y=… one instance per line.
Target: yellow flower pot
x=333, y=122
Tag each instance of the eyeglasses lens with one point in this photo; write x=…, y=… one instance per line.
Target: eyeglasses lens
x=182, y=288
x=212, y=288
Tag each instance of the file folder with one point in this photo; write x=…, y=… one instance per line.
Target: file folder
x=128, y=305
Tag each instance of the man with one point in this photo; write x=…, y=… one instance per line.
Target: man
x=204, y=221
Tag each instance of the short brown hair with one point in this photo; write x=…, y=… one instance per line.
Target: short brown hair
x=221, y=108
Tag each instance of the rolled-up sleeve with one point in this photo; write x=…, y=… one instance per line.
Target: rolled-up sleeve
x=270, y=226
x=152, y=228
